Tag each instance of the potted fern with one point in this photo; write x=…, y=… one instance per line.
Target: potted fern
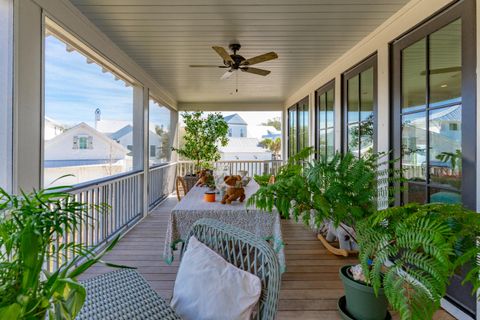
x=339, y=191
x=410, y=253
x=34, y=231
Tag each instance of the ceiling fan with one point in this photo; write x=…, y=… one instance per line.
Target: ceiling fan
x=234, y=62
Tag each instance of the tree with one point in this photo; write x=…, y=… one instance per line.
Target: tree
x=275, y=122
x=203, y=136
x=164, y=142
x=274, y=145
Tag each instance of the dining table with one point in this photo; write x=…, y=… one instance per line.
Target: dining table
x=193, y=207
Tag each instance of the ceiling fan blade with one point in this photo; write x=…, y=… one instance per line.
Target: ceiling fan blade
x=261, y=58
x=224, y=54
x=206, y=66
x=260, y=72
x=227, y=75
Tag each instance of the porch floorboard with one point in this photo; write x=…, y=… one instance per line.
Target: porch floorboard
x=310, y=287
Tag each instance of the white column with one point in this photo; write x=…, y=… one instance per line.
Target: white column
x=338, y=113
x=140, y=139
x=28, y=105
x=383, y=99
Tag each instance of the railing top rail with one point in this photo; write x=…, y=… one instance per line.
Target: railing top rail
x=104, y=181
x=162, y=165
x=234, y=161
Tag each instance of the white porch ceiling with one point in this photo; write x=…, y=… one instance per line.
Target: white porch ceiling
x=166, y=36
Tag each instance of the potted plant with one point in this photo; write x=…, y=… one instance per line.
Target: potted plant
x=409, y=254
x=30, y=226
x=202, y=138
x=340, y=192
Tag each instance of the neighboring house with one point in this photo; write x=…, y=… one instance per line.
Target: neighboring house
x=263, y=132
x=110, y=126
x=237, y=127
x=158, y=149
x=52, y=128
x=244, y=149
x=89, y=154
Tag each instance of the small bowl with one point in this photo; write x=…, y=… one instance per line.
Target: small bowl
x=209, y=196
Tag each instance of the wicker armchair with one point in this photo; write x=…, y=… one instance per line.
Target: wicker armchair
x=246, y=251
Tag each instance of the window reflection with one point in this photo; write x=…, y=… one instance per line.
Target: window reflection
x=414, y=144
x=445, y=65
x=445, y=146
x=414, y=84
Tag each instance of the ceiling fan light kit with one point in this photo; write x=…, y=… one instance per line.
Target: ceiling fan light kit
x=234, y=62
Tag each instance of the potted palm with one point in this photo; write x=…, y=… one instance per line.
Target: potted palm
x=200, y=143
x=33, y=232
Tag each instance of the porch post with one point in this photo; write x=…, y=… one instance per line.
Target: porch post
x=27, y=103
x=140, y=140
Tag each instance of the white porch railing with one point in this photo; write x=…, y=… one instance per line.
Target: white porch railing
x=253, y=167
x=124, y=196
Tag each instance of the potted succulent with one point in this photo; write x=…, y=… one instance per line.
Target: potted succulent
x=30, y=225
x=408, y=254
x=202, y=138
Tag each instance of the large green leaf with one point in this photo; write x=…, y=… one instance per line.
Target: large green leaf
x=11, y=312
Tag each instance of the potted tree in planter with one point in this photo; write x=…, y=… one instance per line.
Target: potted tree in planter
x=409, y=254
x=30, y=225
x=203, y=136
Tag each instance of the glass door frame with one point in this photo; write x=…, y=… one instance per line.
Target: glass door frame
x=466, y=11
x=369, y=62
x=462, y=10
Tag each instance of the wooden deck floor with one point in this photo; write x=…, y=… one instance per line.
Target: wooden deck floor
x=310, y=287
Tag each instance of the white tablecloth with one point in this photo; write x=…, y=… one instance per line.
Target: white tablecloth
x=192, y=208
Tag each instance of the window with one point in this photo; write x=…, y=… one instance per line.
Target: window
x=241, y=133
x=6, y=62
x=229, y=132
x=298, y=134
x=86, y=101
x=324, y=122
x=83, y=143
x=434, y=117
x=160, y=133
x=359, y=87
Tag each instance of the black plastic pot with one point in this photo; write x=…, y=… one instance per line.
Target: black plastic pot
x=361, y=301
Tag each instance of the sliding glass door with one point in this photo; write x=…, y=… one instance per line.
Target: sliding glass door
x=434, y=116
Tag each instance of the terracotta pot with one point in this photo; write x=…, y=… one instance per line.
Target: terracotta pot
x=209, y=197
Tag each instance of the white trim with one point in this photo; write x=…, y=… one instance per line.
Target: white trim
x=454, y=311
x=231, y=106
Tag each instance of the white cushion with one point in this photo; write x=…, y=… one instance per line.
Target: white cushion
x=208, y=287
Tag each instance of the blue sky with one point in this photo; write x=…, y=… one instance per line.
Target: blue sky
x=74, y=89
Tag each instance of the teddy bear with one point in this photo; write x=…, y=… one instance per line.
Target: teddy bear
x=235, y=190
x=203, y=177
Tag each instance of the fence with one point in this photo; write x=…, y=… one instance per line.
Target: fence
x=253, y=167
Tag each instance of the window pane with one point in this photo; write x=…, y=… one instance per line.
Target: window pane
x=330, y=142
x=446, y=146
x=160, y=133
x=444, y=196
x=366, y=129
x=292, y=131
x=322, y=142
x=6, y=76
x=353, y=138
x=414, y=144
x=366, y=90
x=352, y=99
x=414, y=83
x=445, y=64
x=414, y=193
x=88, y=123
x=322, y=110
x=303, y=124
x=330, y=108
